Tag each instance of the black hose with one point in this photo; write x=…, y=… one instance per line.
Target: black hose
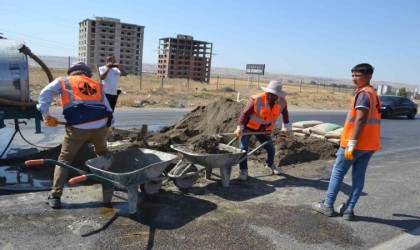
x=17, y=129
x=11, y=139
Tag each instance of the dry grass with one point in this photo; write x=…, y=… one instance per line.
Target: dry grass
x=152, y=92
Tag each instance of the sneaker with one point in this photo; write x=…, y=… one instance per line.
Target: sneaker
x=348, y=214
x=243, y=175
x=341, y=208
x=54, y=202
x=273, y=169
x=320, y=207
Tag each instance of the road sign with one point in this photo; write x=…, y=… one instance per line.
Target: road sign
x=255, y=69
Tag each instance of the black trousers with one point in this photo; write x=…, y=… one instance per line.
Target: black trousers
x=112, y=99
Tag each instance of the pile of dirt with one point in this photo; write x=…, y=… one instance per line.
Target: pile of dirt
x=293, y=149
x=220, y=116
x=197, y=129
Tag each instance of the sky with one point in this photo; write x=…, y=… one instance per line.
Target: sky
x=323, y=38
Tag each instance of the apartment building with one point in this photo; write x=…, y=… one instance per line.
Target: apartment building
x=106, y=36
x=184, y=57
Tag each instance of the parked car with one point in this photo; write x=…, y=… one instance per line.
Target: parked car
x=397, y=106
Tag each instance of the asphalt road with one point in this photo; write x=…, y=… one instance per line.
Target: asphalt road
x=279, y=218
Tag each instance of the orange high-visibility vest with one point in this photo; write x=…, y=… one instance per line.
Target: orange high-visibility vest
x=369, y=139
x=79, y=89
x=263, y=114
x=82, y=100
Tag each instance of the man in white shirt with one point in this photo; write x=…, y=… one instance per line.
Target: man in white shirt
x=110, y=73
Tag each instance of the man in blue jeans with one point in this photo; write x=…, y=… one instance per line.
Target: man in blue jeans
x=260, y=116
x=358, y=142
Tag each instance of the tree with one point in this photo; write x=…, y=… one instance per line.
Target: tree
x=402, y=92
x=389, y=92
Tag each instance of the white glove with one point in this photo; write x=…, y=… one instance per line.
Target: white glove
x=286, y=128
x=348, y=153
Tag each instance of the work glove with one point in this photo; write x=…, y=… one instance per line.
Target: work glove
x=50, y=121
x=110, y=118
x=286, y=128
x=348, y=153
x=238, y=132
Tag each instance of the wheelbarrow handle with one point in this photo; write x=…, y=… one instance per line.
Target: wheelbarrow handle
x=34, y=162
x=85, y=177
x=77, y=179
x=51, y=161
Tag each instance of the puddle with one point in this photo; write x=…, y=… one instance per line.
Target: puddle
x=23, y=179
x=16, y=179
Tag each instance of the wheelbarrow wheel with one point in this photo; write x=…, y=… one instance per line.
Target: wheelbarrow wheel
x=188, y=181
x=151, y=187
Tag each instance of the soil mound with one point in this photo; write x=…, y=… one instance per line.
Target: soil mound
x=197, y=129
x=293, y=149
x=218, y=117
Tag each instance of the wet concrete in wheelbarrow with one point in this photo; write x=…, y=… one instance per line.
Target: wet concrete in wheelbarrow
x=265, y=212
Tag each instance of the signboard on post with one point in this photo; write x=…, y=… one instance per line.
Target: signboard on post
x=255, y=69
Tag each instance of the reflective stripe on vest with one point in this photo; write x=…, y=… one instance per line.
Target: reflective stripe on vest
x=261, y=106
x=369, y=138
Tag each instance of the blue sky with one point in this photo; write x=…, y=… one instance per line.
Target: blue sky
x=304, y=37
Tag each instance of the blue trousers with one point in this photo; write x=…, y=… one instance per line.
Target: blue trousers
x=341, y=166
x=269, y=147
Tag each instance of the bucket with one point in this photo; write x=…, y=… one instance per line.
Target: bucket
x=14, y=80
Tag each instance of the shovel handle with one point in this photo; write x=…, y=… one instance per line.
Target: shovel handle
x=249, y=133
x=77, y=179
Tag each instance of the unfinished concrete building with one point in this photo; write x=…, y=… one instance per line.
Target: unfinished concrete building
x=106, y=36
x=184, y=57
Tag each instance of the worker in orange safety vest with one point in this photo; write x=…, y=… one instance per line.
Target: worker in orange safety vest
x=88, y=117
x=260, y=115
x=359, y=141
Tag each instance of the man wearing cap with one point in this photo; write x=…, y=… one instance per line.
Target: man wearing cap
x=260, y=115
x=109, y=76
x=88, y=117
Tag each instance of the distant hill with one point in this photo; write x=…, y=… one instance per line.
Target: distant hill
x=63, y=62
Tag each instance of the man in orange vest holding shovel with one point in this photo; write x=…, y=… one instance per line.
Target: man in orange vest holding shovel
x=359, y=140
x=260, y=115
x=88, y=117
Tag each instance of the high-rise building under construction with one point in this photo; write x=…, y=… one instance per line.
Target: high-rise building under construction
x=184, y=57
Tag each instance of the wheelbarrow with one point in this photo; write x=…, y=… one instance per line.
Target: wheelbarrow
x=125, y=170
x=185, y=173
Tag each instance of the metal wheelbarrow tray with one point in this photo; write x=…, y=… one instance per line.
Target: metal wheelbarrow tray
x=225, y=162
x=126, y=169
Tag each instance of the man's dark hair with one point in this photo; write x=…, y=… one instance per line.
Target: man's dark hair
x=108, y=58
x=364, y=68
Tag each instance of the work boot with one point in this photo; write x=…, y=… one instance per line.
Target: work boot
x=54, y=202
x=274, y=170
x=320, y=207
x=243, y=175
